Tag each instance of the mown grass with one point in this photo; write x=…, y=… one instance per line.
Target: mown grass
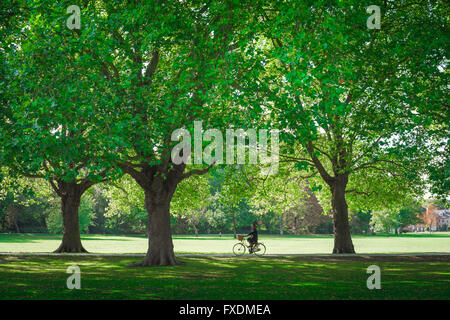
x=407, y=243
x=32, y=277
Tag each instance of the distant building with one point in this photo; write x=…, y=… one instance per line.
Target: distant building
x=434, y=219
x=443, y=218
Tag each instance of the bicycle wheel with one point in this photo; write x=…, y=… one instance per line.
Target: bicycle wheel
x=238, y=249
x=260, y=249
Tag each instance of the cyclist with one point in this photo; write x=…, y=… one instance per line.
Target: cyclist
x=253, y=237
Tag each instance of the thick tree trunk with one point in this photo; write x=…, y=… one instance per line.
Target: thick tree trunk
x=160, y=246
x=70, y=202
x=342, y=238
x=159, y=183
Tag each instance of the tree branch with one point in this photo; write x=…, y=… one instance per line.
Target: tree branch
x=197, y=171
x=323, y=172
x=151, y=68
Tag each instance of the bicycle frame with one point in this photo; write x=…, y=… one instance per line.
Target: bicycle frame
x=243, y=241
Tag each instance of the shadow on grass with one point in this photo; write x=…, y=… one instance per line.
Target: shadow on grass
x=220, y=278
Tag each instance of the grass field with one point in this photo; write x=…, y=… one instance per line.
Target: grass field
x=406, y=243
x=248, y=277
x=31, y=277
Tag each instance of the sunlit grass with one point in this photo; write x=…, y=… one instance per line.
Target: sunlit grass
x=32, y=277
x=408, y=243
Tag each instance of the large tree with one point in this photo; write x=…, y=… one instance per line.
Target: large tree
x=51, y=127
x=163, y=66
x=359, y=102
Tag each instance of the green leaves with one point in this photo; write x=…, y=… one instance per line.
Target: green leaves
x=80, y=102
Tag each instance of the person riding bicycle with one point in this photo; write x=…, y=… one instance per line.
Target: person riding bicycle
x=253, y=237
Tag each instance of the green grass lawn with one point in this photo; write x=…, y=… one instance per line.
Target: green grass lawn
x=43, y=277
x=406, y=243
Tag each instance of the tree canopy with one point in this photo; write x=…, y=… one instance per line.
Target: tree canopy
x=362, y=112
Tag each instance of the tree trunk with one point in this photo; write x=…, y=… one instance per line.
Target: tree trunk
x=160, y=246
x=70, y=202
x=44, y=223
x=16, y=226
x=12, y=217
x=281, y=224
x=342, y=238
x=195, y=230
x=234, y=227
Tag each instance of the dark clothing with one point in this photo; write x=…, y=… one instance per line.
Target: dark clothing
x=253, y=236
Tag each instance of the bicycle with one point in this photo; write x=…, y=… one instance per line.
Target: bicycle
x=259, y=249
